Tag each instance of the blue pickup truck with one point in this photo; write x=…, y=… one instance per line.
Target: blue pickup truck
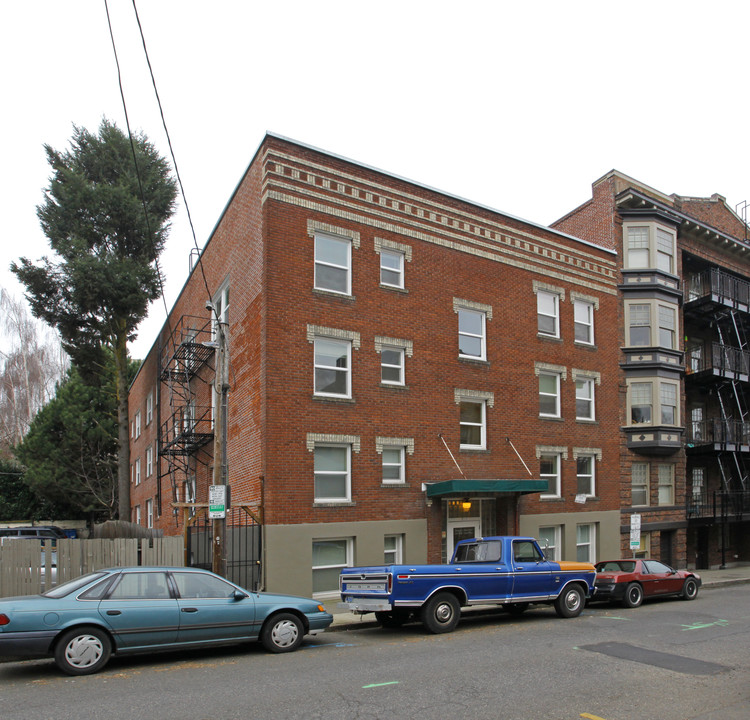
x=511, y=572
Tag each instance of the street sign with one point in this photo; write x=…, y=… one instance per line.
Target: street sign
x=217, y=502
x=635, y=531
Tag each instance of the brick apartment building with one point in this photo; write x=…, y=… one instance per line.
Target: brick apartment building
x=684, y=367
x=407, y=368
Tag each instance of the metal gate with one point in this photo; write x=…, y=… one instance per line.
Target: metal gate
x=243, y=540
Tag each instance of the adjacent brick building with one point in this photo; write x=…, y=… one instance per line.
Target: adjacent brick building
x=684, y=367
x=408, y=368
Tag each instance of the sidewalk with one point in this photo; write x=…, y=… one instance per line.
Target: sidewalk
x=345, y=620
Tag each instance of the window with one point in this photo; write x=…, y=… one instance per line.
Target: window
x=332, y=473
x=471, y=334
x=649, y=246
x=141, y=586
x=640, y=325
x=149, y=407
x=392, y=366
x=668, y=401
x=393, y=549
x=639, y=483
x=664, y=251
x=149, y=461
x=667, y=327
x=697, y=481
x=137, y=471
x=137, y=424
x=666, y=484
x=333, y=261
x=638, y=248
x=584, y=399
x=202, y=585
x=328, y=557
x=392, y=268
x=549, y=470
x=149, y=513
x=472, y=425
x=583, y=315
x=393, y=464
x=332, y=364
x=220, y=309
x=640, y=403
x=585, y=543
x=547, y=309
x=585, y=475
x=137, y=514
x=549, y=539
x=549, y=394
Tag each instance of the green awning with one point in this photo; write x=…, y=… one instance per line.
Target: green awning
x=461, y=487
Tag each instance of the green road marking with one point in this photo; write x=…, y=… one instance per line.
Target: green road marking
x=392, y=682
x=701, y=626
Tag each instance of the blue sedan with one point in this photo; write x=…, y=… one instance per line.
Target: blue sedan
x=143, y=609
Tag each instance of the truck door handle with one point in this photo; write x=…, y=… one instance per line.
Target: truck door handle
x=189, y=610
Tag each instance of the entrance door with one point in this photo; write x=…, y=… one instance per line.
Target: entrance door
x=461, y=530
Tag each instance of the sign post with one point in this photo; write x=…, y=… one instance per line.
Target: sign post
x=635, y=531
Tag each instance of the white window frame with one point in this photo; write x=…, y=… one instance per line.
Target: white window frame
x=137, y=471
x=541, y=312
x=585, y=393
x=590, y=475
x=649, y=246
x=137, y=424
x=321, y=263
x=667, y=326
x=219, y=308
x=150, y=513
x=586, y=544
x=544, y=394
x=349, y=561
x=397, y=270
x=396, y=552
x=137, y=514
x=346, y=474
x=400, y=367
x=149, y=460
x=553, y=478
x=482, y=424
x=634, y=401
x=553, y=550
x=664, y=260
x=586, y=323
x=481, y=336
x=657, y=405
x=149, y=407
x=401, y=465
x=665, y=475
x=639, y=481
x=347, y=371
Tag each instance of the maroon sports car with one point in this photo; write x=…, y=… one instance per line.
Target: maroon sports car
x=630, y=581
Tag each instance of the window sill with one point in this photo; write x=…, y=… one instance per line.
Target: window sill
x=553, y=418
x=333, y=503
x=473, y=360
x=334, y=399
x=551, y=498
x=332, y=294
x=401, y=485
x=585, y=345
x=551, y=338
x=470, y=449
x=393, y=288
x=394, y=386
x=587, y=421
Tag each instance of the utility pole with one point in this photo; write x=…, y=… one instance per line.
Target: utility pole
x=221, y=388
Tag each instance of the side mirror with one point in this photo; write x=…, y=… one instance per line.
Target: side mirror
x=238, y=595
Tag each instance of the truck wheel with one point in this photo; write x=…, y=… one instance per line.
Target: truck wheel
x=82, y=651
x=689, y=589
x=633, y=596
x=441, y=612
x=392, y=618
x=569, y=602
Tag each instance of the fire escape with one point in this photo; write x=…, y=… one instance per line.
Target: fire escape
x=717, y=384
x=186, y=426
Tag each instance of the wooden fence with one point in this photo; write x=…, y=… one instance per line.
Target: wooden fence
x=25, y=565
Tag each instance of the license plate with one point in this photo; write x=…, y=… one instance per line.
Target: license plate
x=366, y=587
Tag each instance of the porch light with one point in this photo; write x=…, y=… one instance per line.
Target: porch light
x=466, y=504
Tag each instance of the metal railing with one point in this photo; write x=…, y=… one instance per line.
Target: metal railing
x=719, y=505
x=728, y=289
x=716, y=431
x=729, y=361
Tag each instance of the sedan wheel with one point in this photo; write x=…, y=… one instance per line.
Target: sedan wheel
x=83, y=651
x=282, y=633
x=633, y=596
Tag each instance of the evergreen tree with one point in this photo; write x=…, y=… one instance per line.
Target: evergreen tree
x=106, y=216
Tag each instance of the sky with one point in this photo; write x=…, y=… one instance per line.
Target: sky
x=519, y=106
